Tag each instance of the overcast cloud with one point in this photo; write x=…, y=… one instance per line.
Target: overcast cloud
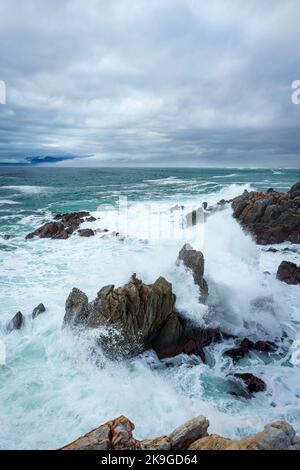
x=150, y=82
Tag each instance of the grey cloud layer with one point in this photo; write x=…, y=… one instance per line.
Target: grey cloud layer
x=148, y=82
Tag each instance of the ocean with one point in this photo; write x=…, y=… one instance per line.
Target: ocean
x=54, y=388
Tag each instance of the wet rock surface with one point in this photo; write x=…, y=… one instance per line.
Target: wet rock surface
x=246, y=346
x=62, y=226
x=142, y=316
x=38, y=310
x=252, y=383
x=289, y=273
x=16, y=322
x=271, y=217
x=194, y=260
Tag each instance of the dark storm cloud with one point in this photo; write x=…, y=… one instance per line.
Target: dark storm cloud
x=153, y=82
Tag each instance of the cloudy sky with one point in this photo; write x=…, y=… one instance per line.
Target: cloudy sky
x=150, y=82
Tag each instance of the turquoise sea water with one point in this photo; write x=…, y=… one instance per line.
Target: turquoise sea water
x=52, y=389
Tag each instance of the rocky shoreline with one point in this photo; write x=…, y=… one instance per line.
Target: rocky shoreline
x=192, y=435
x=136, y=317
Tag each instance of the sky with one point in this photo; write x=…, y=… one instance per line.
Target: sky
x=185, y=83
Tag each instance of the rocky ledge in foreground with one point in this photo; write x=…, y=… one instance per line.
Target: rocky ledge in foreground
x=63, y=226
x=192, y=435
x=270, y=216
x=137, y=317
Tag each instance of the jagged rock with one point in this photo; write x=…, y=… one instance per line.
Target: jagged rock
x=91, y=219
x=77, y=309
x=54, y=230
x=271, y=217
x=252, y=383
x=118, y=435
x=138, y=317
x=113, y=435
x=289, y=273
x=16, y=322
x=86, y=232
x=194, y=260
x=38, y=310
x=62, y=227
x=246, y=346
x=5, y=236
x=189, y=432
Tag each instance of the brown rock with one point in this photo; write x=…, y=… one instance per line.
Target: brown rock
x=86, y=232
x=247, y=345
x=113, y=435
x=289, y=273
x=211, y=442
x=62, y=227
x=160, y=443
x=54, y=230
x=252, y=383
x=271, y=217
x=194, y=260
x=183, y=436
x=138, y=317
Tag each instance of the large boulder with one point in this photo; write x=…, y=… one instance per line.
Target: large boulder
x=289, y=273
x=194, y=260
x=62, y=226
x=188, y=433
x=137, y=317
x=271, y=217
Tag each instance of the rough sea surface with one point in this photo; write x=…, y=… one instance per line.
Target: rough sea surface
x=53, y=387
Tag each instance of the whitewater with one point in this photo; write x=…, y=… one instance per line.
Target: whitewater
x=53, y=388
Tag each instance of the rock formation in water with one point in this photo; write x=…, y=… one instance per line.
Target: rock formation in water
x=16, y=322
x=63, y=226
x=192, y=435
x=246, y=346
x=38, y=310
x=271, y=217
x=289, y=273
x=194, y=260
x=252, y=383
x=139, y=317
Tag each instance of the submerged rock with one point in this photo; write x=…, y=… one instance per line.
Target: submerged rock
x=271, y=217
x=192, y=435
x=62, y=226
x=16, y=322
x=138, y=317
x=252, y=383
x=289, y=273
x=86, y=232
x=194, y=260
x=38, y=310
x=246, y=346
